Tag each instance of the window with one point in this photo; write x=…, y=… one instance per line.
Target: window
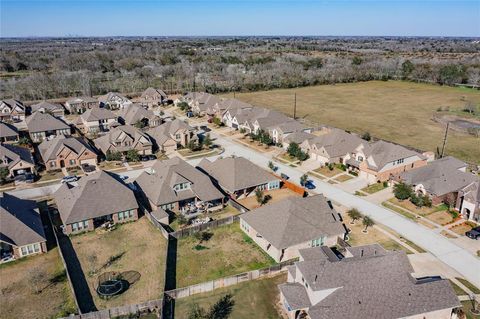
x=400, y=161
x=72, y=162
x=318, y=242
x=53, y=164
x=30, y=249
x=80, y=225
x=125, y=215
x=177, y=136
x=170, y=206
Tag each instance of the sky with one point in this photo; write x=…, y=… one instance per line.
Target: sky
x=19, y=18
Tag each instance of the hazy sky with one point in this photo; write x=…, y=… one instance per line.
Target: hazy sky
x=247, y=17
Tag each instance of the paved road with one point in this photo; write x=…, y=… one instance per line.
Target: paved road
x=456, y=257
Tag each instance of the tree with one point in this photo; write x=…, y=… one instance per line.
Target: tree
x=192, y=145
x=259, y=196
x=354, y=214
x=402, y=191
x=132, y=156
x=197, y=312
x=4, y=172
x=203, y=236
x=367, y=222
x=416, y=200
x=357, y=60
x=217, y=121
x=366, y=136
x=183, y=106
x=113, y=156
x=407, y=68
x=303, y=179
x=222, y=308
x=24, y=141
x=182, y=220
x=293, y=149
x=140, y=124
x=450, y=200
x=207, y=141
x=470, y=107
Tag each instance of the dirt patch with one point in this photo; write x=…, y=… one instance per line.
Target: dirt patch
x=135, y=246
x=441, y=217
x=462, y=228
x=20, y=299
x=277, y=195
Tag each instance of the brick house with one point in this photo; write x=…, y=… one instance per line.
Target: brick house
x=169, y=135
x=152, y=97
x=18, y=160
x=99, y=198
x=66, y=152
x=12, y=111
x=124, y=138
x=21, y=228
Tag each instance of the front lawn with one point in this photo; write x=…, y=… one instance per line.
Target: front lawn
x=276, y=195
x=371, y=189
x=229, y=251
x=442, y=217
x=35, y=287
x=325, y=171
x=137, y=246
x=424, y=210
x=343, y=178
x=253, y=299
x=462, y=228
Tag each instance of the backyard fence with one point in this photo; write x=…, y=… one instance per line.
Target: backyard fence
x=157, y=224
x=229, y=281
x=152, y=306
x=242, y=209
x=202, y=227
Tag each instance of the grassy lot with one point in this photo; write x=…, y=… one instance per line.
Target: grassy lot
x=358, y=238
x=19, y=298
x=343, y=178
x=376, y=105
x=253, y=299
x=228, y=252
x=325, y=171
x=423, y=211
x=137, y=246
x=371, y=189
x=469, y=285
x=277, y=195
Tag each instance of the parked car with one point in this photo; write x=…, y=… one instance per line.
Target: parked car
x=24, y=178
x=284, y=176
x=310, y=185
x=473, y=233
x=69, y=179
x=88, y=168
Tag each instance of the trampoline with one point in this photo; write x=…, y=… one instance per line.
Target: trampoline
x=111, y=283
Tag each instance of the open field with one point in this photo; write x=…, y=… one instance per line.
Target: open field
x=253, y=299
x=394, y=110
x=135, y=246
x=226, y=253
x=52, y=296
x=277, y=195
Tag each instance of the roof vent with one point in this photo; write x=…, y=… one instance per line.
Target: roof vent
x=316, y=277
x=361, y=253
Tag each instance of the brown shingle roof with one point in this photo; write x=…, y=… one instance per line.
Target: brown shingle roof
x=41, y=122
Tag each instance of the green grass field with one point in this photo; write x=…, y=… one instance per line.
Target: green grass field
x=396, y=111
x=253, y=299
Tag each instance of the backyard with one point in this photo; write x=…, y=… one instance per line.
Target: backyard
x=227, y=211
x=410, y=106
x=137, y=246
x=35, y=287
x=229, y=251
x=276, y=195
x=253, y=299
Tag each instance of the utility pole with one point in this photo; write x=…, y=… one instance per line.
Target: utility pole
x=445, y=140
x=194, y=85
x=295, y=106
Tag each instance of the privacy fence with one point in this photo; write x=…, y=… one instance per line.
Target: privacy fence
x=129, y=311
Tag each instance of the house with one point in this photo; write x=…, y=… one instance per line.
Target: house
x=96, y=120
x=114, y=101
x=66, y=152
x=18, y=160
x=296, y=137
x=381, y=161
x=123, y=139
x=174, y=185
x=152, y=97
x=332, y=146
x=97, y=199
x=279, y=132
x=43, y=126
x=283, y=228
x=238, y=176
x=21, y=228
x=203, y=102
x=140, y=117
x=171, y=134
x=78, y=105
x=440, y=179
x=8, y=133
x=231, y=108
x=12, y=111
x=365, y=282
x=468, y=201
x=47, y=107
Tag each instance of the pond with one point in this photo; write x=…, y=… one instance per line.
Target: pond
x=464, y=124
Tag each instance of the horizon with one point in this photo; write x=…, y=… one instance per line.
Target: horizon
x=219, y=18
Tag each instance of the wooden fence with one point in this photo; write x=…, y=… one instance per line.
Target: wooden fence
x=185, y=232
x=229, y=281
x=152, y=306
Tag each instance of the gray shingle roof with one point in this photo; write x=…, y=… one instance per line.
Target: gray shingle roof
x=153, y=93
x=377, y=285
x=41, y=122
x=296, y=295
x=15, y=154
x=96, y=114
x=236, y=173
x=20, y=222
x=298, y=137
x=7, y=130
x=135, y=113
x=383, y=153
x=158, y=184
x=295, y=220
x=47, y=106
x=440, y=177
x=165, y=131
x=96, y=195
x=49, y=149
x=107, y=141
x=14, y=105
x=337, y=142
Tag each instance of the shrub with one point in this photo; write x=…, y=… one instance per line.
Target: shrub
x=113, y=156
x=402, y=191
x=132, y=156
x=330, y=166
